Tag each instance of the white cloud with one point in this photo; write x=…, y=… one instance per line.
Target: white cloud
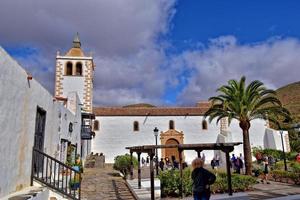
x=123, y=36
x=276, y=62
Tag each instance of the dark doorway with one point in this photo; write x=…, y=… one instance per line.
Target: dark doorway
x=40, y=122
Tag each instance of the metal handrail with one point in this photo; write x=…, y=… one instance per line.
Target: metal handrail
x=55, y=174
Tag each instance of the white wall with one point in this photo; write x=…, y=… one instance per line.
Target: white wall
x=18, y=104
x=116, y=132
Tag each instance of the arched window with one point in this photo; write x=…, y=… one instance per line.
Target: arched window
x=79, y=69
x=136, y=126
x=171, y=124
x=96, y=125
x=69, y=69
x=204, y=125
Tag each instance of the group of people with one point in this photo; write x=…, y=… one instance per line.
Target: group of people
x=237, y=163
x=164, y=164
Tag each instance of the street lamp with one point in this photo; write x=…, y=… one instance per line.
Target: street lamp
x=284, y=158
x=155, y=131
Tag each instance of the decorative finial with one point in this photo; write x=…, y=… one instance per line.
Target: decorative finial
x=76, y=41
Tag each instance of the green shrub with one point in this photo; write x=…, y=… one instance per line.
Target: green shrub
x=279, y=165
x=122, y=164
x=285, y=176
x=295, y=166
x=170, y=181
x=291, y=156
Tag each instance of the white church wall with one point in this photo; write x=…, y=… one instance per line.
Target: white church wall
x=18, y=105
x=272, y=140
x=115, y=133
x=73, y=83
x=260, y=136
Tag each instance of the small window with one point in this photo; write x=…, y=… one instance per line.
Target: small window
x=69, y=69
x=204, y=125
x=136, y=126
x=78, y=69
x=96, y=125
x=171, y=124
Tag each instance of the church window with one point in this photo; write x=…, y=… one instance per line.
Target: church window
x=136, y=126
x=78, y=69
x=69, y=69
x=96, y=125
x=171, y=124
x=204, y=125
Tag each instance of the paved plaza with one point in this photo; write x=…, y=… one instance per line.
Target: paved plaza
x=105, y=183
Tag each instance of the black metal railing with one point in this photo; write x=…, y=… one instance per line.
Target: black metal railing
x=55, y=175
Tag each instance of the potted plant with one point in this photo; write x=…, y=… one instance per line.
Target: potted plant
x=74, y=183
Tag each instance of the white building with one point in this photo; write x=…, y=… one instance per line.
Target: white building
x=117, y=128
x=74, y=73
x=31, y=117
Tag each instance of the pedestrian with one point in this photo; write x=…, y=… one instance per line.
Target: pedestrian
x=243, y=163
x=239, y=165
x=168, y=163
x=161, y=164
x=213, y=163
x=147, y=161
x=217, y=160
x=298, y=158
x=202, y=179
x=265, y=170
x=175, y=163
x=143, y=161
x=233, y=162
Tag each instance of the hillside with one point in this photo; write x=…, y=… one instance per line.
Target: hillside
x=289, y=95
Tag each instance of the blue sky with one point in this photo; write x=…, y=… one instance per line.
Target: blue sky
x=249, y=21
x=175, y=52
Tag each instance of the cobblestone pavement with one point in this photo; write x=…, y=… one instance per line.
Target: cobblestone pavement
x=275, y=189
x=104, y=184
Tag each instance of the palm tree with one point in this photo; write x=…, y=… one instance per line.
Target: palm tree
x=246, y=103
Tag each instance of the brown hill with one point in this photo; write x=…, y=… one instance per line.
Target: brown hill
x=289, y=95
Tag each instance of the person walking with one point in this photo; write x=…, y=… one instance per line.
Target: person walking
x=265, y=170
x=161, y=164
x=202, y=179
x=213, y=163
x=143, y=161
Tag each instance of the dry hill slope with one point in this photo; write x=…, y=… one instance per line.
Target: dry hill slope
x=289, y=95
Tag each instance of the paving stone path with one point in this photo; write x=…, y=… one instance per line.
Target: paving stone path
x=104, y=184
x=273, y=190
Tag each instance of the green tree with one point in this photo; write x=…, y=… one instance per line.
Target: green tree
x=123, y=163
x=246, y=103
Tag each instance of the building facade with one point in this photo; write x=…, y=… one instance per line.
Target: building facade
x=74, y=72
x=31, y=118
x=117, y=128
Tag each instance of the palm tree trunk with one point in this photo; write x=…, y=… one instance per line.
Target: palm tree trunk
x=247, y=151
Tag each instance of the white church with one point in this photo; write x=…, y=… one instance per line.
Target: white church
x=59, y=127
x=119, y=127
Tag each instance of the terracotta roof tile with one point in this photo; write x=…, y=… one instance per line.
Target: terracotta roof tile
x=154, y=111
x=75, y=52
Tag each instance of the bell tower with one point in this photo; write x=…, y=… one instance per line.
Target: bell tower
x=74, y=72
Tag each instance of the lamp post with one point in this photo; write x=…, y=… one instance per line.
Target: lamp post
x=155, y=131
x=284, y=158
